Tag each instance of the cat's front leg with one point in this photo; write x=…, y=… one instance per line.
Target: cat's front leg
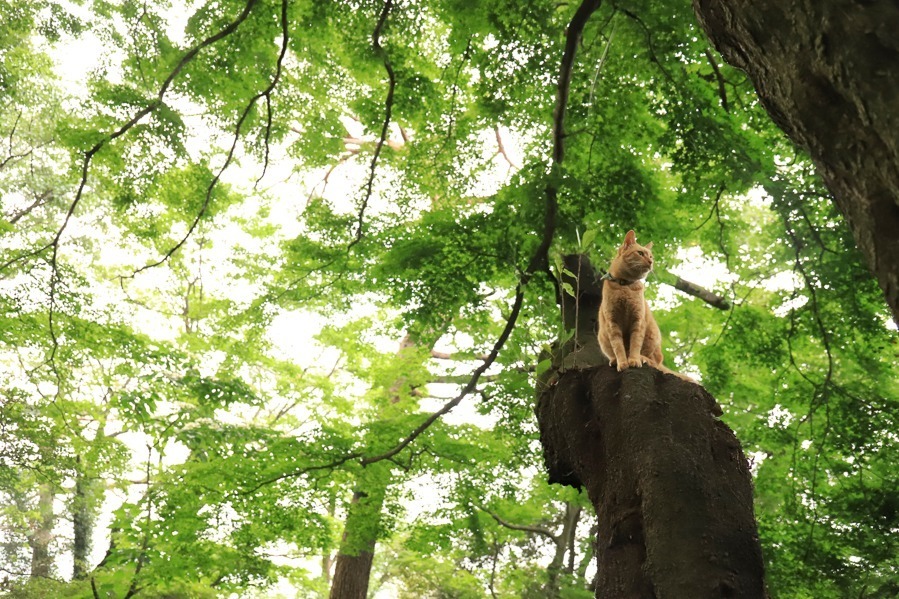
x=635, y=358
x=616, y=341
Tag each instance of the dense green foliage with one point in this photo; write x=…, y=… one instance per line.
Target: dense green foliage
x=214, y=239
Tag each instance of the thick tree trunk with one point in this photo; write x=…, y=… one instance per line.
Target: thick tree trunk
x=39, y=540
x=827, y=71
x=667, y=478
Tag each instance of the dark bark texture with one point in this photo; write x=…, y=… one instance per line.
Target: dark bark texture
x=668, y=479
x=827, y=71
x=351, y=575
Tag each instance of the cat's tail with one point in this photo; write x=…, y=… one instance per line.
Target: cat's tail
x=666, y=370
x=679, y=375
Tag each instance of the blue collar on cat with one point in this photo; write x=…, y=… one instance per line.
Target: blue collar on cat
x=609, y=277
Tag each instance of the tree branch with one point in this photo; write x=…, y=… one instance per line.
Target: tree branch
x=149, y=108
x=437, y=355
x=722, y=92
x=388, y=109
x=702, y=293
x=85, y=169
x=296, y=473
x=358, y=141
x=649, y=45
x=471, y=386
x=538, y=530
x=501, y=148
x=266, y=93
x=39, y=200
x=539, y=260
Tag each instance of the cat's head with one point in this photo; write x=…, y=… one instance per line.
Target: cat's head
x=634, y=261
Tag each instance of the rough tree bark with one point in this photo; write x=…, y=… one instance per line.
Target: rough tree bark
x=827, y=71
x=667, y=478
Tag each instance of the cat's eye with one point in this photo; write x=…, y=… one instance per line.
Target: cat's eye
x=641, y=252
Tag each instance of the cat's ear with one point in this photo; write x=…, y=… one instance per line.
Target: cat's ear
x=630, y=239
x=648, y=246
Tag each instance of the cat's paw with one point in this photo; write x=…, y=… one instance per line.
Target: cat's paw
x=622, y=366
x=650, y=361
x=635, y=362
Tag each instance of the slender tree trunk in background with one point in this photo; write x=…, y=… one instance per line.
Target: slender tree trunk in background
x=11, y=546
x=589, y=556
x=573, y=516
x=352, y=570
x=363, y=522
x=83, y=521
x=40, y=538
x=328, y=558
x=564, y=545
x=827, y=72
x=667, y=478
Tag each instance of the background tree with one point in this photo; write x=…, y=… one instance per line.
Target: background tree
x=216, y=236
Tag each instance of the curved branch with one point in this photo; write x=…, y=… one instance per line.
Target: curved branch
x=266, y=93
x=149, y=108
x=388, y=109
x=722, y=92
x=650, y=47
x=297, y=473
x=574, y=32
x=472, y=384
x=539, y=259
x=85, y=169
x=539, y=530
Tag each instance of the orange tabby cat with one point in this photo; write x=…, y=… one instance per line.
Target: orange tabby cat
x=628, y=334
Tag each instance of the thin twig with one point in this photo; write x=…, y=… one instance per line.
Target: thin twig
x=501, y=148
x=649, y=44
x=602, y=59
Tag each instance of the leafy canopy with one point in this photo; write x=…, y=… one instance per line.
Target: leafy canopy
x=214, y=238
